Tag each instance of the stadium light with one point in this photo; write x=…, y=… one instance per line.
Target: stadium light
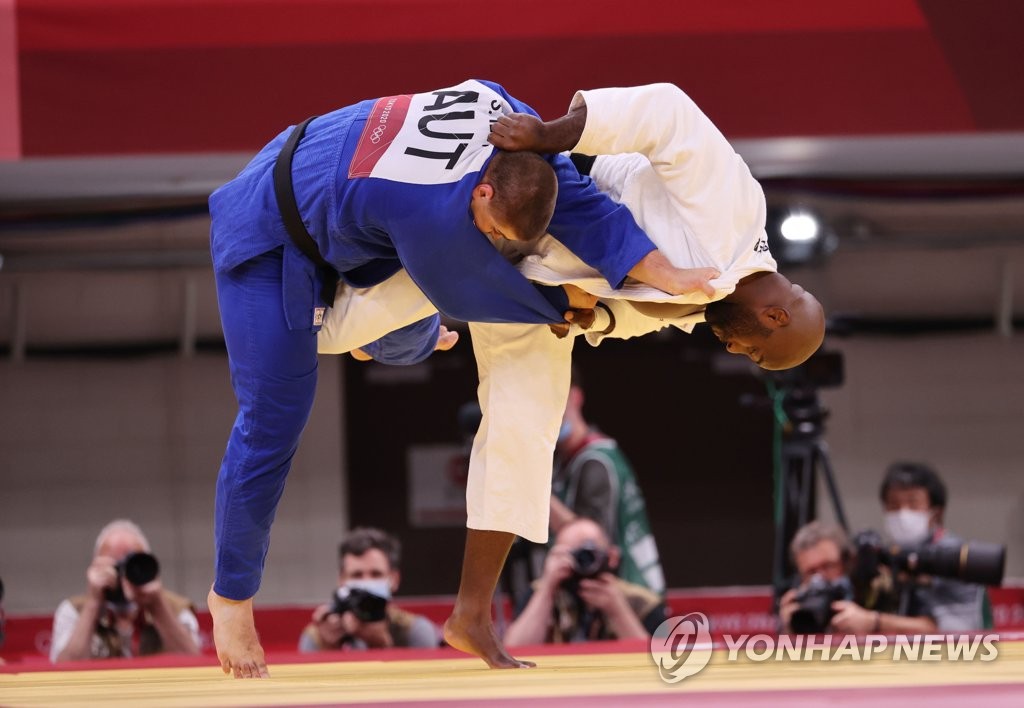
x=800, y=226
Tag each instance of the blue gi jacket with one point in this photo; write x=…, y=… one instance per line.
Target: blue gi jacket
x=386, y=184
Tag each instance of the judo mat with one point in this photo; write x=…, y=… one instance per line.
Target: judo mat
x=617, y=674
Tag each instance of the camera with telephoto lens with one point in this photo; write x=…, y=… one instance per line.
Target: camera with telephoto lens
x=588, y=560
x=814, y=613
x=138, y=569
x=365, y=605
x=971, y=561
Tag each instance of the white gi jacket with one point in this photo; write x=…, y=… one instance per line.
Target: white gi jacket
x=694, y=196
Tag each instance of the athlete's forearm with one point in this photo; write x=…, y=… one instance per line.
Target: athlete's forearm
x=564, y=133
x=522, y=131
x=654, y=269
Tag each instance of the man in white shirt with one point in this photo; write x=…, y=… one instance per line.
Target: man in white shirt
x=117, y=618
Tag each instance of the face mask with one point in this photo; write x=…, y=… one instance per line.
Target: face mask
x=565, y=431
x=381, y=587
x=907, y=527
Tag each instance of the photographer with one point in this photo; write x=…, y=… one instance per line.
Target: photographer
x=593, y=479
x=579, y=598
x=125, y=610
x=823, y=601
x=361, y=616
x=914, y=500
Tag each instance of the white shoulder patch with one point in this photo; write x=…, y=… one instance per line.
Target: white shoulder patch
x=429, y=138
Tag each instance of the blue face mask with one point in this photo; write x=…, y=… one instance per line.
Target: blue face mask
x=565, y=431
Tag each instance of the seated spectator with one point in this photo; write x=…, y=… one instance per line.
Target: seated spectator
x=823, y=558
x=579, y=598
x=914, y=500
x=116, y=617
x=362, y=615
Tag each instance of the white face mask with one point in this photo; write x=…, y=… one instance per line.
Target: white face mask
x=907, y=527
x=381, y=587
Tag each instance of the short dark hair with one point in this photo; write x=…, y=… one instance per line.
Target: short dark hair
x=914, y=474
x=363, y=539
x=525, y=189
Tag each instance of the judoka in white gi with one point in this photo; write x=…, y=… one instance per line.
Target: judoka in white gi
x=658, y=154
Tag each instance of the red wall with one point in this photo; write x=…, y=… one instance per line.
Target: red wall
x=150, y=76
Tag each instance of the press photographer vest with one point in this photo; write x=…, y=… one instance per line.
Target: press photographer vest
x=144, y=633
x=399, y=625
x=640, y=563
x=571, y=622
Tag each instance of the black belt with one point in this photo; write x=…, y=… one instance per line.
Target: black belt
x=285, y=195
x=584, y=163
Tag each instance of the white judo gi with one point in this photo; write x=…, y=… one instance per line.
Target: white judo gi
x=694, y=196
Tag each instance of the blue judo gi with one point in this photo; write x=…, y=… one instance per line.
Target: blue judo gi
x=381, y=185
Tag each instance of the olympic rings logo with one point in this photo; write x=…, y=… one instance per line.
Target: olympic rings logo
x=377, y=134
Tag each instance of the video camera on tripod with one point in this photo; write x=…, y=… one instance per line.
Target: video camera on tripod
x=800, y=386
x=803, y=455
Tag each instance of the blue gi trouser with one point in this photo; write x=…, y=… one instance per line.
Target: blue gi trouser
x=273, y=373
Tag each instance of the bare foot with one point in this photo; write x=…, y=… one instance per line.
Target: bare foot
x=478, y=638
x=234, y=635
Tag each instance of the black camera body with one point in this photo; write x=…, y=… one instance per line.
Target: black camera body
x=366, y=606
x=815, y=613
x=972, y=561
x=589, y=561
x=138, y=569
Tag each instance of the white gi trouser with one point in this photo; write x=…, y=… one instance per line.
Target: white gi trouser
x=509, y=485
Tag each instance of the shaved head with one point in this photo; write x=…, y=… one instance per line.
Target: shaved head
x=801, y=337
x=774, y=322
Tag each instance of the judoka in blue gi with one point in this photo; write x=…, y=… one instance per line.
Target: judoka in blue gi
x=398, y=182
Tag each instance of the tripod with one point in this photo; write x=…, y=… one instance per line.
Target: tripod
x=802, y=457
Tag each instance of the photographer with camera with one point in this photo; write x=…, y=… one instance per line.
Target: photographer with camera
x=823, y=602
x=125, y=610
x=360, y=614
x=593, y=479
x=579, y=598
x=914, y=498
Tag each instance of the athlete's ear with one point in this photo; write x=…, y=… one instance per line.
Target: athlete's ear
x=483, y=191
x=776, y=316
